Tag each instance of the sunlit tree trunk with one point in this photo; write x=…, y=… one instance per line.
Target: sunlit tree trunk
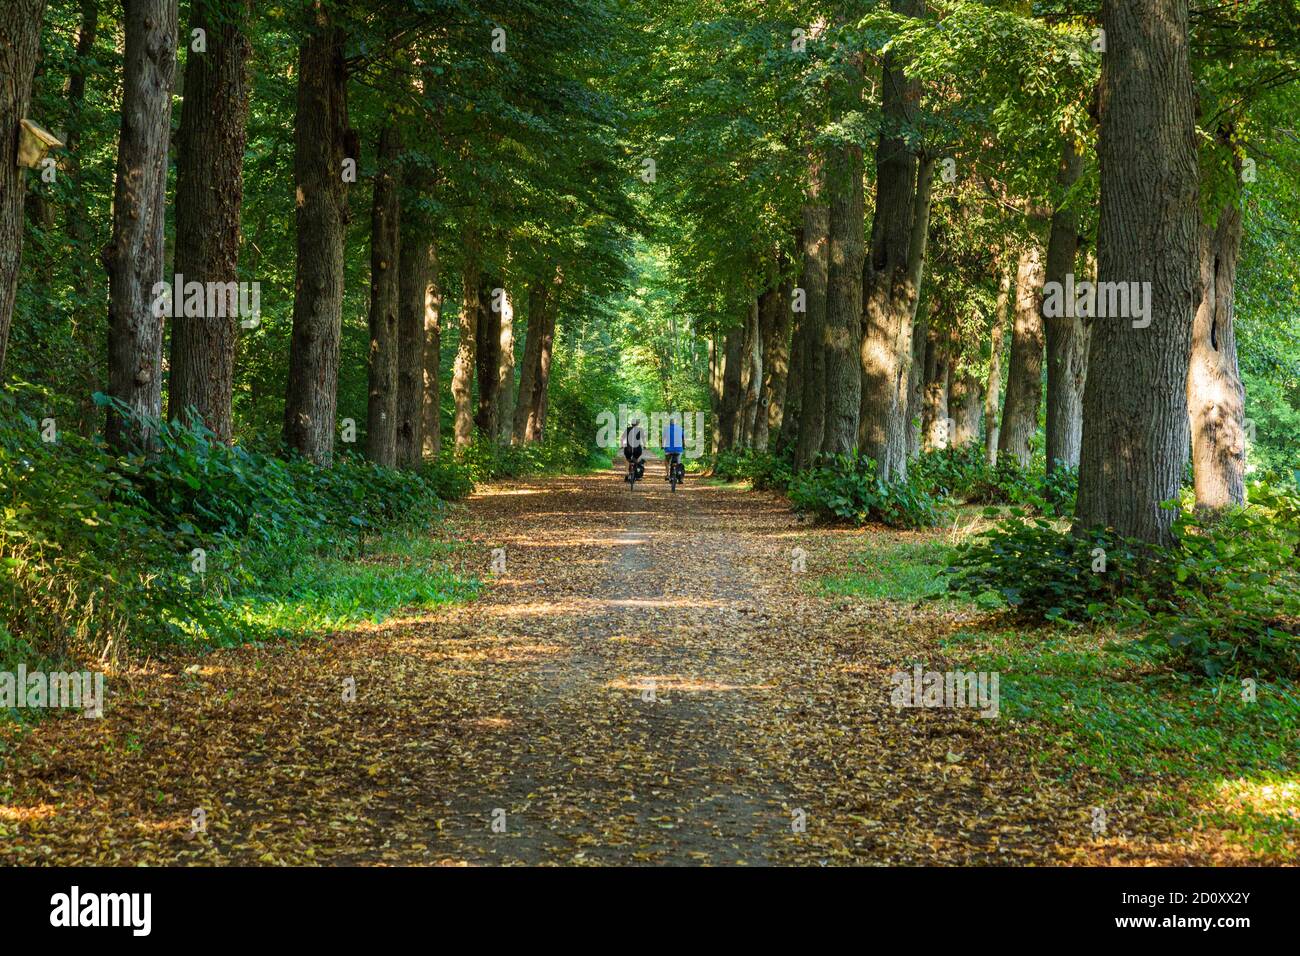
x=776, y=368
x=542, y=386
x=729, y=412
x=934, y=402
x=89, y=292
x=1025, y=369
x=506, y=372
x=844, y=295
x=1215, y=397
x=963, y=408
x=816, y=253
x=1067, y=336
x=385, y=296
x=538, y=290
x=751, y=378
x=431, y=437
x=134, y=257
x=488, y=356
x=466, y=346
x=418, y=307
x=1135, y=424
x=993, y=391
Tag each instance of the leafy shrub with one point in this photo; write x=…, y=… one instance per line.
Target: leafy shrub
x=1224, y=598
x=762, y=469
x=489, y=461
x=964, y=474
x=846, y=488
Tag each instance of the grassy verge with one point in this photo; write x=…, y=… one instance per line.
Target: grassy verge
x=1198, y=751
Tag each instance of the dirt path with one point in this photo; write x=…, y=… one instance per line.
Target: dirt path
x=647, y=682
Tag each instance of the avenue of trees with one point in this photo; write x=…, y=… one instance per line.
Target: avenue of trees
x=846, y=227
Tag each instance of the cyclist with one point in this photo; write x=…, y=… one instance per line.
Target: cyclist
x=673, y=448
x=633, y=444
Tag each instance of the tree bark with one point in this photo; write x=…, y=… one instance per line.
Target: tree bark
x=418, y=308
x=488, y=346
x=993, y=392
x=892, y=277
x=467, y=342
x=844, y=297
x=134, y=256
x=542, y=387
x=776, y=368
x=1067, y=336
x=916, y=380
x=89, y=293
x=733, y=354
x=787, y=436
x=20, y=42
x=322, y=142
x=530, y=370
x=1025, y=369
x=209, y=195
x=506, y=373
x=816, y=263
x=963, y=408
x=385, y=296
x=1135, y=424
x=751, y=378
x=715, y=394
x=1215, y=397
x=935, y=420
x=431, y=398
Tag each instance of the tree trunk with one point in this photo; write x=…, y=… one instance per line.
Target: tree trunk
x=1025, y=369
x=935, y=420
x=466, y=347
x=1135, y=425
x=209, y=194
x=733, y=353
x=134, y=257
x=538, y=290
x=963, y=408
x=542, y=387
x=488, y=346
x=506, y=373
x=751, y=379
x=20, y=42
x=322, y=143
x=418, y=310
x=89, y=302
x=432, y=397
x=992, y=428
x=776, y=368
x=816, y=262
x=715, y=394
x=1215, y=397
x=1067, y=336
x=385, y=295
x=844, y=297
x=892, y=277
x=787, y=436
x=916, y=380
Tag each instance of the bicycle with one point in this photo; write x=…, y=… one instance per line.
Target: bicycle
x=676, y=471
x=635, y=472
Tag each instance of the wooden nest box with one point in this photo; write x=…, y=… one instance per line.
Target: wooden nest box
x=33, y=143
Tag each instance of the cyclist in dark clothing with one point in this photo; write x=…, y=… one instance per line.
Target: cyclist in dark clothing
x=633, y=447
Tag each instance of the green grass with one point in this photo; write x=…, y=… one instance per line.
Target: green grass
x=893, y=569
x=1171, y=736
x=404, y=569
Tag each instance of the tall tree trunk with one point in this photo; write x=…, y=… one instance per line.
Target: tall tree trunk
x=751, y=378
x=323, y=142
x=787, y=436
x=431, y=408
x=1135, y=425
x=506, y=373
x=134, y=257
x=89, y=303
x=1215, y=397
x=1067, y=336
x=209, y=194
x=385, y=271
x=1025, y=369
x=963, y=407
x=488, y=345
x=715, y=393
x=816, y=263
x=993, y=392
x=20, y=42
x=733, y=355
x=916, y=379
x=935, y=420
x=538, y=290
x=844, y=296
x=893, y=269
x=418, y=305
x=768, y=318
x=776, y=367
x=467, y=342
x=542, y=387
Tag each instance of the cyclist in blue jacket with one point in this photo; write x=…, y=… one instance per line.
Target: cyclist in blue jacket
x=673, y=449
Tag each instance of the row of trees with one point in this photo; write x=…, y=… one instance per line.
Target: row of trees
x=477, y=134
x=1002, y=150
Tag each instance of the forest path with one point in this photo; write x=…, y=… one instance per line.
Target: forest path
x=649, y=681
